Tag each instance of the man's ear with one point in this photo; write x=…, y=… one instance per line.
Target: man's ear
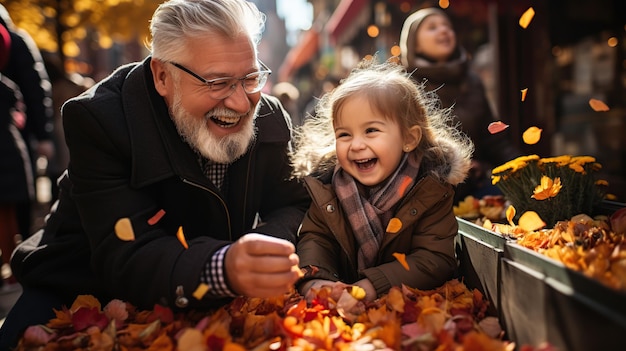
x=412, y=138
x=160, y=76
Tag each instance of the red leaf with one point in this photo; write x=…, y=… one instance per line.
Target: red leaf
x=84, y=318
x=497, y=127
x=157, y=217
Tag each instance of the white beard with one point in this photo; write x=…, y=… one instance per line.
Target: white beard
x=196, y=133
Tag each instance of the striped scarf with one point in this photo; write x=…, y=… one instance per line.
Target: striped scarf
x=367, y=211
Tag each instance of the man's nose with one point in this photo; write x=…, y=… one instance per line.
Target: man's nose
x=238, y=100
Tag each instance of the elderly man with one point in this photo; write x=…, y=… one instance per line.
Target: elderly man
x=179, y=176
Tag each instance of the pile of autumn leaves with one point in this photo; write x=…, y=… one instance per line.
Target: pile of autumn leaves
x=449, y=318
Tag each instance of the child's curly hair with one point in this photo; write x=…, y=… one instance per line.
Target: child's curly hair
x=390, y=91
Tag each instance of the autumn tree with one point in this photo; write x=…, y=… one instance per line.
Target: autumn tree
x=66, y=26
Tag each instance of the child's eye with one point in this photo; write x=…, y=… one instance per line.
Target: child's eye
x=371, y=130
x=341, y=135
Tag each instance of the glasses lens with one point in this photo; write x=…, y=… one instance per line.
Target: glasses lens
x=225, y=87
x=254, y=82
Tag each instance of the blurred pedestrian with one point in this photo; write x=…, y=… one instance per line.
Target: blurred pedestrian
x=64, y=87
x=24, y=117
x=429, y=49
x=24, y=66
x=288, y=95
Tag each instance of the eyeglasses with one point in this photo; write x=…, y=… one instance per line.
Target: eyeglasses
x=221, y=88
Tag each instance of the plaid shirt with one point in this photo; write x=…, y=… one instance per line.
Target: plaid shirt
x=214, y=275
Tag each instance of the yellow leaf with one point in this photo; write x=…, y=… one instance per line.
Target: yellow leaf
x=532, y=135
x=524, y=92
x=85, y=301
x=124, y=229
x=181, y=237
x=530, y=221
x=357, y=292
x=510, y=213
x=200, y=291
x=394, y=226
x=402, y=259
x=527, y=17
x=598, y=105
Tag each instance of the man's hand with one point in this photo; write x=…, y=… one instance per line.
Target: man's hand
x=259, y=265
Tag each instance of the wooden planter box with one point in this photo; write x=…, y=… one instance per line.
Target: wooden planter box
x=539, y=299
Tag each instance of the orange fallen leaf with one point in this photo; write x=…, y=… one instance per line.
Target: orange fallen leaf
x=402, y=259
x=394, y=226
x=181, y=237
x=524, y=92
x=124, y=229
x=157, y=217
x=530, y=221
x=526, y=17
x=598, y=105
x=497, y=127
x=532, y=135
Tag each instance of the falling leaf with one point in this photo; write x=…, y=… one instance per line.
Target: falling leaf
x=157, y=217
x=402, y=259
x=510, y=213
x=394, y=226
x=124, y=229
x=530, y=221
x=526, y=17
x=598, y=105
x=181, y=237
x=497, y=127
x=200, y=291
x=524, y=91
x=532, y=135
x=547, y=189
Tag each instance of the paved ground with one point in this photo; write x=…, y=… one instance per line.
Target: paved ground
x=8, y=295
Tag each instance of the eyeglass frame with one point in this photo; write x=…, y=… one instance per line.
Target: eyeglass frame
x=209, y=82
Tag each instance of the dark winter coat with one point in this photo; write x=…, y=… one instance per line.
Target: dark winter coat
x=24, y=90
x=326, y=240
x=16, y=176
x=128, y=161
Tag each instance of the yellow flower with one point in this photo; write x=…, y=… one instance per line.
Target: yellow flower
x=581, y=160
x=577, y=168
x=559, y=160
x=515, y=164
x=495, y=180
x=547, y=189
x=602, y=182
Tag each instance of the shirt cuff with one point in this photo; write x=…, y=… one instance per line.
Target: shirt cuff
x=215, y=277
